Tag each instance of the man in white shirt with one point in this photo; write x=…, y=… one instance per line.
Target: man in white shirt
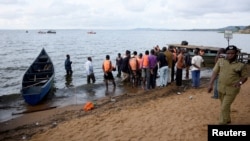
x=89, y=71
x=196, y=62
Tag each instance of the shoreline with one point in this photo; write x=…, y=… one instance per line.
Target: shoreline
x=55, y=115
x=13, y=105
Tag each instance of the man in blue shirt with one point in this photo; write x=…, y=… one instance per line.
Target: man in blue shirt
x=67, y=65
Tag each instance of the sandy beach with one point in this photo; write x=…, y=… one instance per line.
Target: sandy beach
x=160, y=114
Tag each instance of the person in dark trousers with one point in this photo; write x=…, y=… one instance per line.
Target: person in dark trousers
x=119, y=64
x=134, y=65
x=187, y=63
x=139, y=72
x=179, y=66
x=152, y=60
x=174, y=53
x=67, y=65
x=145, y=70
x=107, y=70
x=125, y=67
x=89, y=70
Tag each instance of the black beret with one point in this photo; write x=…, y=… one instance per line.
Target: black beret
x=232, y=47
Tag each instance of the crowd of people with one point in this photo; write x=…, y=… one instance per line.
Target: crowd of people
x=142, y=69
x=167, y=64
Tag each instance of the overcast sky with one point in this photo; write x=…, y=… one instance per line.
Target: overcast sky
x=123, y=14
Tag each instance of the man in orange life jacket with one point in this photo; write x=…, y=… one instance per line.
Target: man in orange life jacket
x=145, y=70
x=107, y=69
x=134, y=65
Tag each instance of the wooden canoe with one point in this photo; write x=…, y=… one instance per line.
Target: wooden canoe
x=38, y=79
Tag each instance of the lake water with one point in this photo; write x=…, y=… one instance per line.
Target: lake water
x=19, y=49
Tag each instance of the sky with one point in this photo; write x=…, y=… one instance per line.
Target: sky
x=123, y=14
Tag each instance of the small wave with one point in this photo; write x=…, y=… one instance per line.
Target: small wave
x=11, y=84
x=14, y=68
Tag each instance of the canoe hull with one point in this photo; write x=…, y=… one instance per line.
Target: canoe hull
x=34, y=95
x=38, y=80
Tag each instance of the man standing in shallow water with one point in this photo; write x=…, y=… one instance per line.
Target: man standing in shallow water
x=89, y=70
x=232, y=75
x=107, y=70
x=67, y=65
x=119, y=64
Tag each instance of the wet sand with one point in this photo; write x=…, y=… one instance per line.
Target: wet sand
x=158, y=114
x=11, y=106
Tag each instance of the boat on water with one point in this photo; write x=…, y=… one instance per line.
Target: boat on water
x=209, y=52
x=91, y=32
x=51, y=31
x=41, y=32
x=38, y=79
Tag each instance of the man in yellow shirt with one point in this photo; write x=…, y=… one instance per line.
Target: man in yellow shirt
x=232, y=75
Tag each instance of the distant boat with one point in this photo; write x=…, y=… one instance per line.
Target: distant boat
x=27, y=31
x=42, y=32
x=38, y=79
x=91, y=32
x=51, y=31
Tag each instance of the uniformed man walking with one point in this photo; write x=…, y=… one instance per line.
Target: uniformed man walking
x=232, y=75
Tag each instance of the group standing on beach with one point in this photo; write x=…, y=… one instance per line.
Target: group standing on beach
x=142, y=70
x=168, y=64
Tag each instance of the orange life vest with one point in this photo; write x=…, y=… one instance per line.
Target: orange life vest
x=107, y=66
x=145, y=61
x=133, y=63
x=88, y=106
x=139, y=60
